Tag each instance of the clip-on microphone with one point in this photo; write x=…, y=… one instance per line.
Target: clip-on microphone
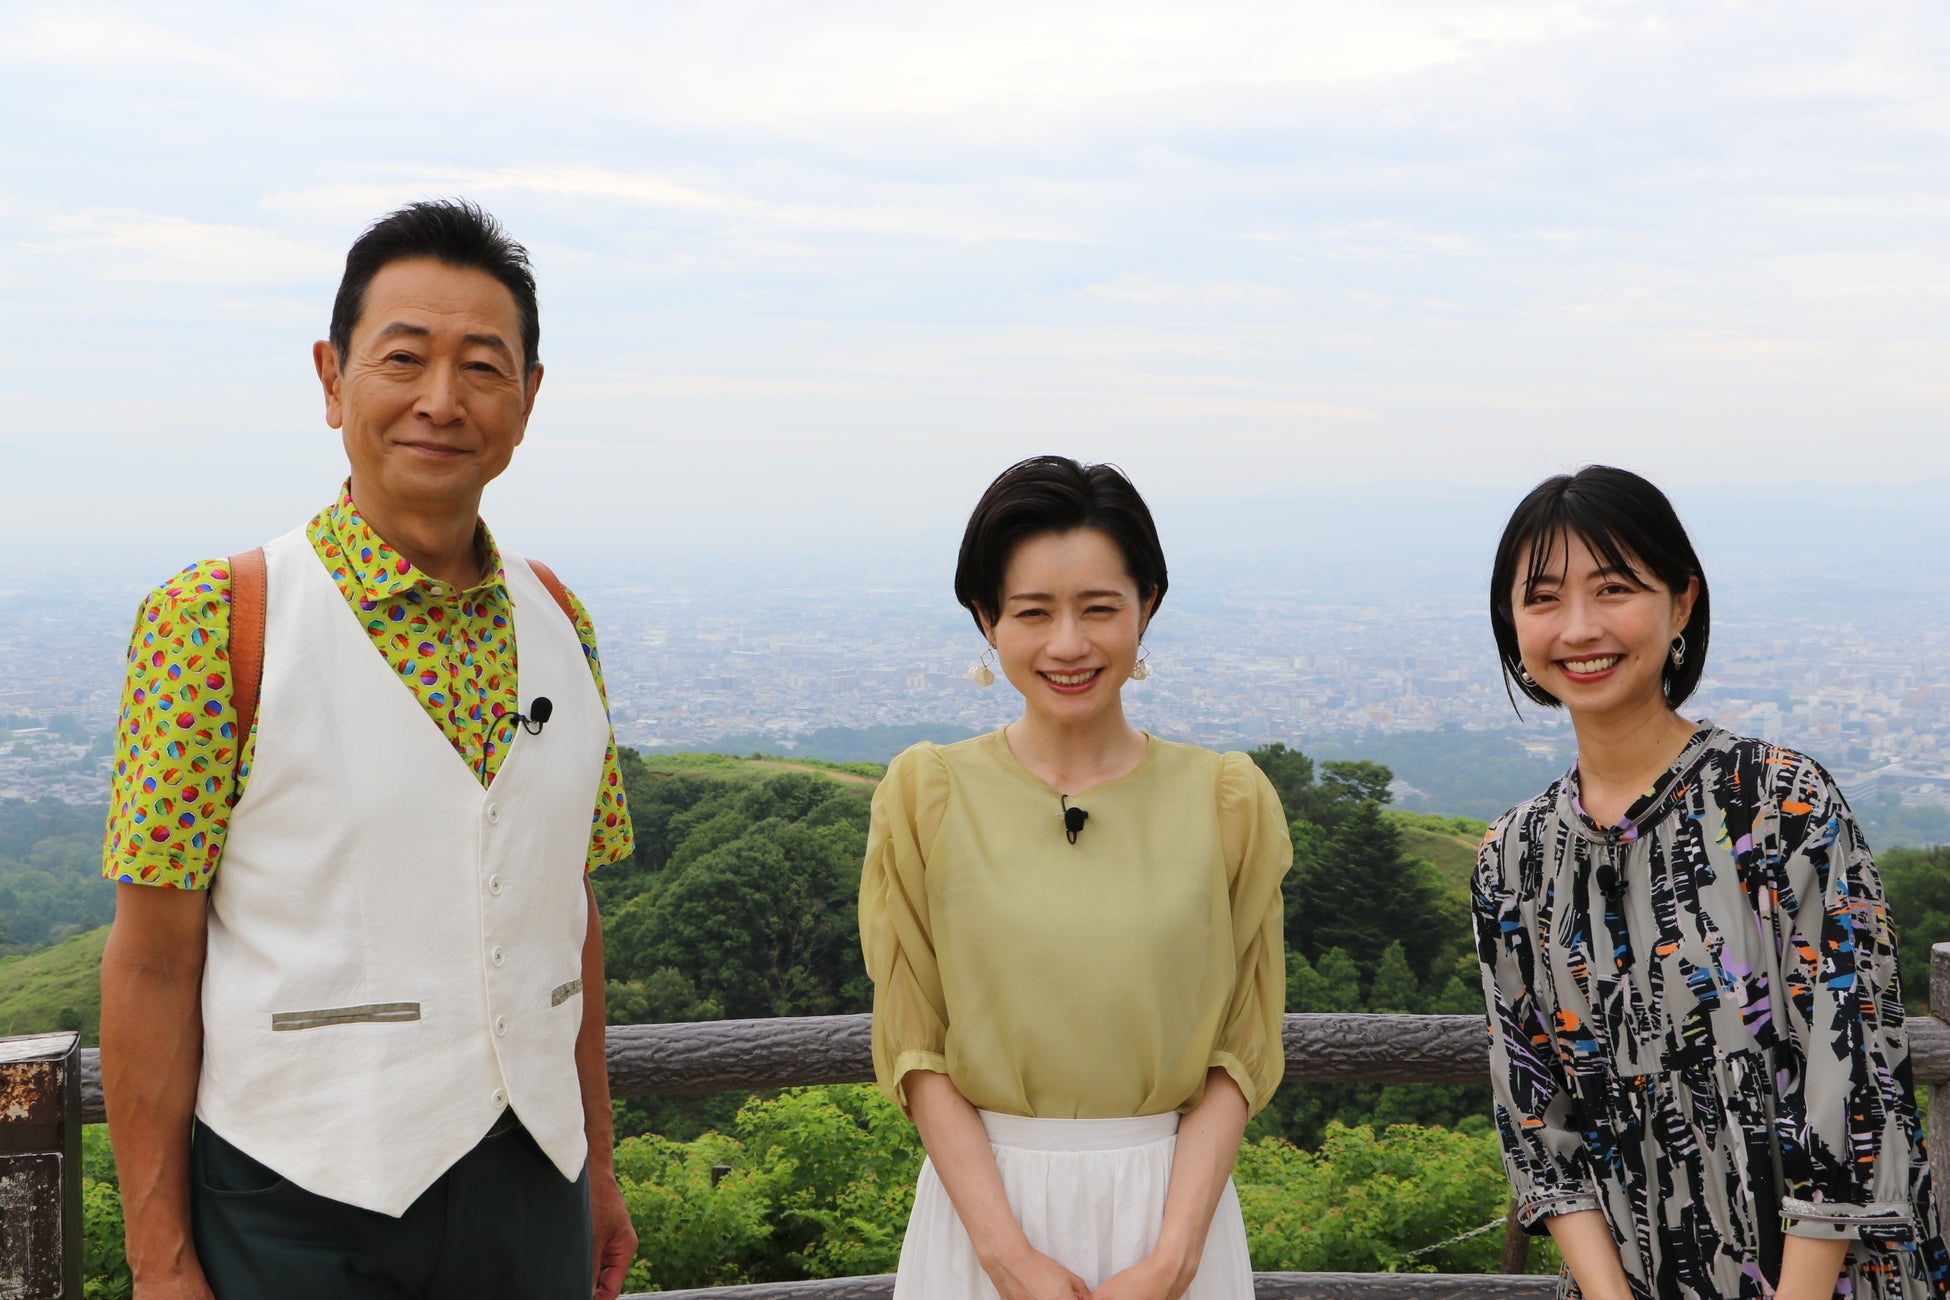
x=1073, y=818
x=537, y=716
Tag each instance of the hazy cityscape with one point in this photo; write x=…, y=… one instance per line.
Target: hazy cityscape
x=1869, y=692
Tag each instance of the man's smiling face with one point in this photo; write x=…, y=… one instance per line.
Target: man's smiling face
x=431, y=397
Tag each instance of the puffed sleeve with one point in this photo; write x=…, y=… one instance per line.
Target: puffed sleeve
x=1258, y=850
x=1851, y=1153
x=910, y=1016
x=1543, y=1153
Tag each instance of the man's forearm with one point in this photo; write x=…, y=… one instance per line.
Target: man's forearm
x=152, y=1052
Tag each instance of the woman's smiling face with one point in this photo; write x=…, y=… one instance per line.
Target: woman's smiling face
x=1070, y=626
x=1594, y=636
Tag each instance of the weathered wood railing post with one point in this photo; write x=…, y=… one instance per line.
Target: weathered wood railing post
x=1939, y=1135
x=40, y=1168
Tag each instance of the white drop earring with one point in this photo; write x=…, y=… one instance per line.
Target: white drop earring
x=1142, y=668
x=1679, y=650
x=982, y=674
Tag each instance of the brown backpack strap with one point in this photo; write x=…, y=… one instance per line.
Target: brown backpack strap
x=246, y=638
x=555, y=589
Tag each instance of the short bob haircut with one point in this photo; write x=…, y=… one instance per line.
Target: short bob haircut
x=1627, y=523
x=1054, y=494
x=454, y=233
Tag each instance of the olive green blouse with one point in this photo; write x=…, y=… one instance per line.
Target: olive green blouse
x=1094, y=980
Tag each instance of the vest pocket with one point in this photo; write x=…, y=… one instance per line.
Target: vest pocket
x=563, y=992
x=372, y=1013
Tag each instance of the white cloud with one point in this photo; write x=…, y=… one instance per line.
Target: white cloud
x=1260, y=243
x=702, y=197
x=1146, y=292
x=163, y=249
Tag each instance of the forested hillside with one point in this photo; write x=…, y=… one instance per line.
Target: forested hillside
x=50, y=872
x=740, y=901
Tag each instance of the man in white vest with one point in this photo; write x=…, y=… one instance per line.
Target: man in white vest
x=352, y=1004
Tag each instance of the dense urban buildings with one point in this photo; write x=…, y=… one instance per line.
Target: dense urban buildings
x=1867, y=691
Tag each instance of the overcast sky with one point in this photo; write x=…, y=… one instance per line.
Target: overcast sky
x=817, y=271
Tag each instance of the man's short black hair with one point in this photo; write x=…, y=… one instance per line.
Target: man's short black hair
x=1627, y=522
x=1054, y=494
x=452, y=232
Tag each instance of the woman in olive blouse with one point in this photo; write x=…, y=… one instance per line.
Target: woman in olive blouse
x=1074, y=932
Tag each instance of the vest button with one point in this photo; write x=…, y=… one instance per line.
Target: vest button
x=494, y=884
x=497, y=956
x=500, y=1025
x=494, y=812
x=498, y=1099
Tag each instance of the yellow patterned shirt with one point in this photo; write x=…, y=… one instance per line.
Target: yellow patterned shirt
x=179, y=768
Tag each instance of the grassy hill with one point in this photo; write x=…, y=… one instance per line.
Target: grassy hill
x=40, y=990
x=1449, y=843
x=756, y=767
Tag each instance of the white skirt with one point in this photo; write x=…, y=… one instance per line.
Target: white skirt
x=1089, y=1193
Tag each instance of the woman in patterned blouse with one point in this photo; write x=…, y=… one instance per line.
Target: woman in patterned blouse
x=1701, y=1075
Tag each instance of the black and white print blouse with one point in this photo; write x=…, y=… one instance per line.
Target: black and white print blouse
x=1696, y=1028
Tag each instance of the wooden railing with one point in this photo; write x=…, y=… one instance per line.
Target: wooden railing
x=50, y=1087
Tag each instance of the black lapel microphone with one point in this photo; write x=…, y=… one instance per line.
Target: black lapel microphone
x=537, y=716
x=1610, y=883
x=1073, y=818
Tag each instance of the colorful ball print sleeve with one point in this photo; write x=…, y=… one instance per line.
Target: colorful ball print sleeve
x=611, y=838
x=176, y=754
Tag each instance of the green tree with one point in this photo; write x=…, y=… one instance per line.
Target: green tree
x=840, y=1164
x=1394, y=988
x=1290, y=772
x=1916, y=883
x=695, y=1227
x=1369, y=1201
x=1358, y=890
x=667, y=996
x=1352, y=781
x=1327, y=802
x=1334, y=986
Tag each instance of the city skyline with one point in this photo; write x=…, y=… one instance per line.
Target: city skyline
x=1237, y=663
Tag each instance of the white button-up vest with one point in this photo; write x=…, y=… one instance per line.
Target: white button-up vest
x=395, y=950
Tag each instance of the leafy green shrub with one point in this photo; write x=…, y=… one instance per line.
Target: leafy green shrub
x=104, y=1270
x=840, y=1163
x=1373, y=1203
x=689, y=1232
x=818, y=1182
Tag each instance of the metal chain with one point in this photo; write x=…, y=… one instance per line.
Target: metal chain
x=1497, y=1222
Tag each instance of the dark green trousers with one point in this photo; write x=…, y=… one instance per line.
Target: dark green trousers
x=503, y=1222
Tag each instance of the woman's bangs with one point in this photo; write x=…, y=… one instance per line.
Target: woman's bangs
x=1563, y=521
